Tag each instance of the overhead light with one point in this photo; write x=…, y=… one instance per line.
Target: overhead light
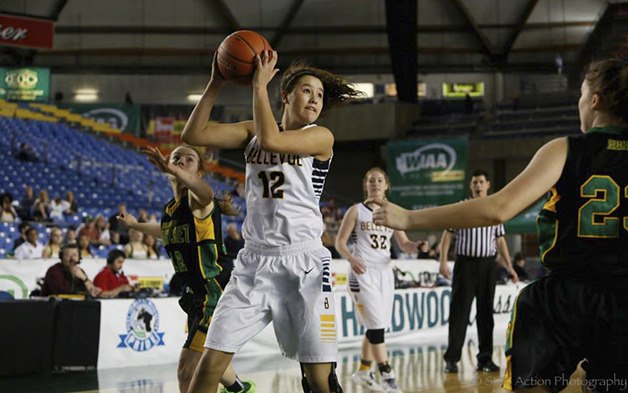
x=86, y=95
x=194, y=97
x=368, y=89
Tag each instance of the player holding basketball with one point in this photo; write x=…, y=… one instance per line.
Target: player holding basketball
x=579, y=311
x=192, y=234
x=283, y=272
x=371, y=278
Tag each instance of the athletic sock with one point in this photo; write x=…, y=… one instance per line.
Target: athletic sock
x=384, y=367
x=365, y=365
x=237, y=386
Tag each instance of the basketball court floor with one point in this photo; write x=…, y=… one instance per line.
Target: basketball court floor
x=419, y=368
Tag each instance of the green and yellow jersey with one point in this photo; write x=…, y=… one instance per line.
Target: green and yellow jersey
x=583, y=227
x=196, y=248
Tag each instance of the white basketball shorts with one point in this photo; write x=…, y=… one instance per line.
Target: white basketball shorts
x=290, y=286
x=373, y=293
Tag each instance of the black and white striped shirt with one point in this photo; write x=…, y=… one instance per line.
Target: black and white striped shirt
x=478, y=242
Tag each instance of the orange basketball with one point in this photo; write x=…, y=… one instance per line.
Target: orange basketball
x=236, y=55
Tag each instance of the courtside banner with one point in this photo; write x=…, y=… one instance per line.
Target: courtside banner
x=26, y=32
x=123, y=117
x=140, y=332
x=19, y=277
x=427, y=172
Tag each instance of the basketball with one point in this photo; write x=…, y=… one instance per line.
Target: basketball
x=236, y=55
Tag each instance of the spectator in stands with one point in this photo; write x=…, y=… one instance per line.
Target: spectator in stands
x=73, y=208
x=8, y=213
x=22, y=227
x=117, y=226
x=142, y=216
x=53, y=246
x=151, y=247
x=40, y=207
x=102, y=226
x=26, y=203
x=31, y=248
x=84, y=247
x=26, y=153
x=70, y=235
x=66, y=277
x=114, y=238
x=89, y=229
x=135, y=248
x=331, y=215
x=57, y=207
x=111, y=279
x=233, y=241
x=152, y=219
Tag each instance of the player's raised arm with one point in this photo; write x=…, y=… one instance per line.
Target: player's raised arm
x=198, y=131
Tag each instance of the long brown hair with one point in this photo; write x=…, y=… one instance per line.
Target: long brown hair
x=337, y=90
x=609, y=79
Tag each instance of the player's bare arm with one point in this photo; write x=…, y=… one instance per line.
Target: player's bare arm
x=346, y=226
x=539, y=176
x=199, y=132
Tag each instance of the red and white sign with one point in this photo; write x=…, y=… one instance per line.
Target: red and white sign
x=27, y=32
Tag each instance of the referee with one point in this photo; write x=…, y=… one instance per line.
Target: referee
x=475, y=275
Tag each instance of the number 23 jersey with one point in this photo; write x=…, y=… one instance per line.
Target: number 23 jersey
x=282, y=196
x=583, y=227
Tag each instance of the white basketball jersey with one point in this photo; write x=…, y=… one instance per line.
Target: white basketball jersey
x=371, y=242
x=282, y=197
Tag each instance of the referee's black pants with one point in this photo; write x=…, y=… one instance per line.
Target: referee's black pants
x=473, y=277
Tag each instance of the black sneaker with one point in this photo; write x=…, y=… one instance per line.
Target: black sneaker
x=488, y=366
x=450, y=367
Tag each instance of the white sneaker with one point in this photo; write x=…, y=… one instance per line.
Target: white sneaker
x=389, y=383
x=367, y=379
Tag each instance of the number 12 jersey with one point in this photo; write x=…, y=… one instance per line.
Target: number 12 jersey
x=282, y=197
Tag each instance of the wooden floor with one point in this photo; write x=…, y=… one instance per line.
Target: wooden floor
x=419, y=368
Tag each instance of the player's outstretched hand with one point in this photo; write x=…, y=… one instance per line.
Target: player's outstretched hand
x=389, y=214
x=127, y=219
x=156, y=158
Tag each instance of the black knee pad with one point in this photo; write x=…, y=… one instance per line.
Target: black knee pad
x=375, y=336
x=334, y=385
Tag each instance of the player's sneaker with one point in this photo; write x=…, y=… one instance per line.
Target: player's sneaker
x=249, y=387
x=367, y=379
x=389, y=383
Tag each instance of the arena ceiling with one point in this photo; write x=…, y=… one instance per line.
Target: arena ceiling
x=346, y=36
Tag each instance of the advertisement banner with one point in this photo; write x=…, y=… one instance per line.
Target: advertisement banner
x=20, y=277
x=425, y=173
x=124, y=117
x=139, y=332
x=26, y=32
x=25, y=84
